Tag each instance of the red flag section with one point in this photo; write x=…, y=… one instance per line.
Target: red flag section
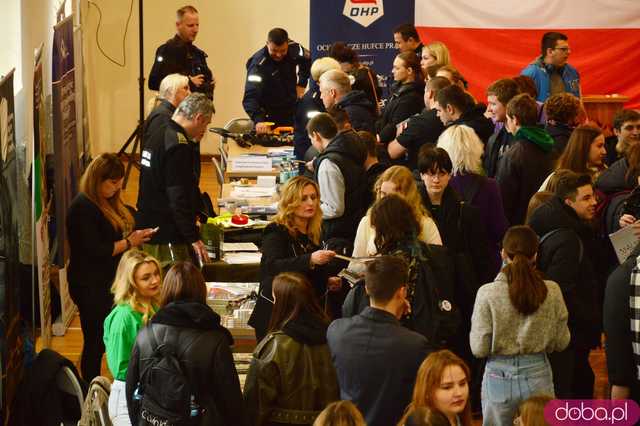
x=491, y=39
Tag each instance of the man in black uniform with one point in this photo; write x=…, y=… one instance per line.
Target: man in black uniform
x=169, y=197
x=179, y=55
x=272, y=86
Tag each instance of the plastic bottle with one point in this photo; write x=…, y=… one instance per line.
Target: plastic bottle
x=213, y=236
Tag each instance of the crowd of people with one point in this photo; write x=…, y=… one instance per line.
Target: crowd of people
x=478, y=235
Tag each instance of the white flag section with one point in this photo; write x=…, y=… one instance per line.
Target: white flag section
x=532, y=14
x=492, y=39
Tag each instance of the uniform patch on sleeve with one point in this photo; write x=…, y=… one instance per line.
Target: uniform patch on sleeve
x=182, y=138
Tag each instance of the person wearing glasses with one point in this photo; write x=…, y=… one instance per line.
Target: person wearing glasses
x=291, y=243
x=551, y=72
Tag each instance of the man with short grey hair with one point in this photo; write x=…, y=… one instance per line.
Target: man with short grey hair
x=173, y=89
x=335, y=90
x=169, y=197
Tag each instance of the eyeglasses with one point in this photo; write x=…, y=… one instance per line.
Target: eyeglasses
x=564, y=49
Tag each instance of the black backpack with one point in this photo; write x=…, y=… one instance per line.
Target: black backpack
x=166, y=396
x=437, y=313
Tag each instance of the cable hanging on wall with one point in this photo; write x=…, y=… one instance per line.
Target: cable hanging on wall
x=124, y=38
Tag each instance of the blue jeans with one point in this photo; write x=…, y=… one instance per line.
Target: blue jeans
x=509, y=380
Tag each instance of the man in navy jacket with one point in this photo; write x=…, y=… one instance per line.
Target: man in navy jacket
x=376, y=358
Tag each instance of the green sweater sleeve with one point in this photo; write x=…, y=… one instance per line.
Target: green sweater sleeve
x=120, y=330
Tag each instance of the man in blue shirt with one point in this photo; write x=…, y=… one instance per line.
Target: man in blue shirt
x=550, y=71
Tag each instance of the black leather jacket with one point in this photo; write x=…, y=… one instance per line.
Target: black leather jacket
x=205, y=356
x=292, y=377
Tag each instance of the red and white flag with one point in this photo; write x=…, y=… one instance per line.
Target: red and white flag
x=492, y=39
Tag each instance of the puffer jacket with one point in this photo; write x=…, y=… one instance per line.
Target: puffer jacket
x=361, y=112
x=291, y=377
x=203, y=347
x=567, y=257
x=406, y=100
x=522, y=170
x=614, y=179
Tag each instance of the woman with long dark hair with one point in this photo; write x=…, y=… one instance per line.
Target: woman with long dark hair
x=99, y=228
x=291, y=378
x=517, y=320
x=187, y=327
x=400, y=181
x=585, y=154
x=406, y=98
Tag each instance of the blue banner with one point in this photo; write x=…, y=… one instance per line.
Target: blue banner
x=65, y=146
x=365, y=25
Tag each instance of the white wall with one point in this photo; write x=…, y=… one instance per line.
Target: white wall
x=230, y=32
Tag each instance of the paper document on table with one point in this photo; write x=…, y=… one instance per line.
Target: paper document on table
x=239, y=247
x=251, y=162
x=252, y=192
x=266, y=182
x=624, y=241
x=242, y=258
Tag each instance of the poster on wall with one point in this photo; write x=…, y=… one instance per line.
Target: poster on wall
x=67, y=167
x=10, y=323
x=365, y=25
x=41, y=201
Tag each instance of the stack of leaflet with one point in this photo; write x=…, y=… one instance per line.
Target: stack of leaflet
x=280, y=154
x=241, y=253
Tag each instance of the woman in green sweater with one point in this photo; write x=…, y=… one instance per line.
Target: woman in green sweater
x=136, y=292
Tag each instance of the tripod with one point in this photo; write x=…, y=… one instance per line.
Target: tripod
x=136, y=135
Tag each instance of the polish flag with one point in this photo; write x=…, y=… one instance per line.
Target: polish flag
x=492, y=39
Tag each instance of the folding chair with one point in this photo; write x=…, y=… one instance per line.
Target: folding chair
x=236, y=125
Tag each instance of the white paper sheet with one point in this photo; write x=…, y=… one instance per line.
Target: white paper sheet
x=242, y=258
x=239, y=247
x=624, y=241
x=251, y=162
x=252, y=192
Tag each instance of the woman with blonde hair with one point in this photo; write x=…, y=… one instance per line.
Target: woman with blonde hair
x=99, y=230
x=468, y=179
x=395, y=180
x=340, y=413
x=310, y=105
x=434, y=53
x=442, y=385
x=136, y=296
x=291, y=243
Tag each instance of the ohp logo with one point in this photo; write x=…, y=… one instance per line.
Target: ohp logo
x=364, y=12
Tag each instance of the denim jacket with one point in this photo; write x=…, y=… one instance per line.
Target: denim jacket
x=539, y=72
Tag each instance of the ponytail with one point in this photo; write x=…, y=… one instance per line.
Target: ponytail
x=527, y=290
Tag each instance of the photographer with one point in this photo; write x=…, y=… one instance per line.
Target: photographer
x=179, y=55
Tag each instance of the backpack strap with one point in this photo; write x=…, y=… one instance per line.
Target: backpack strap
x=549, y=234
